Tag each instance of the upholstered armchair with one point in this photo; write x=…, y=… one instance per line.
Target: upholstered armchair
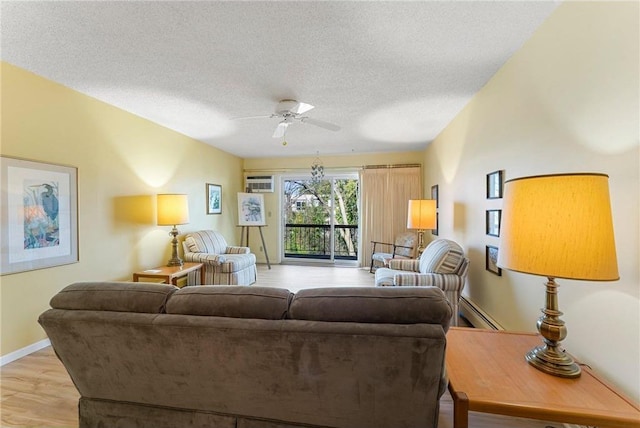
x=442, y=264
x=403, y=247
x=223, y=264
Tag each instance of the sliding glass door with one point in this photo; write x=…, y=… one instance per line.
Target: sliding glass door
x=320, y=218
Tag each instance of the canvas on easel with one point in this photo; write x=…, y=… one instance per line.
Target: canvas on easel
x=251, y=209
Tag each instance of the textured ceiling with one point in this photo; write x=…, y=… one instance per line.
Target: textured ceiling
x=390, y=74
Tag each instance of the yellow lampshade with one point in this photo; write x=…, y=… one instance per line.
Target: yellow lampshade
x=422, y=214
x=173, y=209
x=559, y=226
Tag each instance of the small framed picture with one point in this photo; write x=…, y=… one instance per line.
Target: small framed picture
x=491, y=260
x=434, y=195
x=494, y=185
x=493, y=222
x=214, y=199
x=435, y=231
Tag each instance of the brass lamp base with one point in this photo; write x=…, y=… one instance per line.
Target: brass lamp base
x=174, y=260
x=420, y=243
x=550, y=357
x=553, y=361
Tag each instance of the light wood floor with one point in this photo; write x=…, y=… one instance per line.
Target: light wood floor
x=36, y=391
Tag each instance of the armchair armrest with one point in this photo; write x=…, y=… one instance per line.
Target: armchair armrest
x=374, y=244
x=401, y=246
x=207, y=258
x=444, y=281
x=408, y=265
x=237, y=250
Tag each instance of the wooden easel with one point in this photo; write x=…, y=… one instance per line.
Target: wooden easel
x=245, y=232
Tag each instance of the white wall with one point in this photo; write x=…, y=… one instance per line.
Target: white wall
x=568, y=101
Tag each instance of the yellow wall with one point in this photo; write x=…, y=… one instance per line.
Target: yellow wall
x=566, y=102
x=122, y=162
x=282, y=167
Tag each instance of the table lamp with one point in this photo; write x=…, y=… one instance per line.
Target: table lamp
x=557, y=226
x=421, y=216
x=173, y=209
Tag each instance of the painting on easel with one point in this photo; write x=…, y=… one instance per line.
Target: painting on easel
x=251, y=209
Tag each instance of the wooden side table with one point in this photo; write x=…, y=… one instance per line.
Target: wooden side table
x=488, y=373
x=170, y=274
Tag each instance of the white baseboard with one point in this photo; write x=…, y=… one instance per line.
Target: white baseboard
x=16, y=355
x=476, y=316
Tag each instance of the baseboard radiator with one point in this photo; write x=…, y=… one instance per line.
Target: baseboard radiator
x=476, y=316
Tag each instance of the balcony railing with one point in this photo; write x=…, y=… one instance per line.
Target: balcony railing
x=314, y=241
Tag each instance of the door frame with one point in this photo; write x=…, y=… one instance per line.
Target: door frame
x=332, y=261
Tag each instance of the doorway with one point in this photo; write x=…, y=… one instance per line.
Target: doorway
x=320, y=219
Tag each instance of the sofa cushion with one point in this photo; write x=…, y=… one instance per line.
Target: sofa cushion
x=372, y=305
x=114, y=296
x=231, y=301
x=441, y=256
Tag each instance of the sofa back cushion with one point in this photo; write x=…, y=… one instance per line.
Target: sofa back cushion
x=206, y=241
x=442, y=256
x=231, y=301
x=372, y=305
x=114, y=296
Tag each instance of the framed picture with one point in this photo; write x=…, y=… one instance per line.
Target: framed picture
x=214, y=199
x=434, y=195
x=493, y=222
x=491, y=260
x=39, y=215
x=251, y=209
x=435, y=231
x=495, y=184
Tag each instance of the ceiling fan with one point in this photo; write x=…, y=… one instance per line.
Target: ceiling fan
x=291, y=111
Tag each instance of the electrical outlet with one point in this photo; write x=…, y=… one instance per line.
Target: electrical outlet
x=260, y=248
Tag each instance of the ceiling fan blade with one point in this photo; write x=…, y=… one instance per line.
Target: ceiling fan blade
x=320, y=123
x=280, y=129
x=301, y=108
x=252, y=117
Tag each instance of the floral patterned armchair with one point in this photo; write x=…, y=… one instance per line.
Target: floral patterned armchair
x=403, y=247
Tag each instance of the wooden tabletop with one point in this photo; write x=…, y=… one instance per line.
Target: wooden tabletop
x=170, y=273
x=488, y=368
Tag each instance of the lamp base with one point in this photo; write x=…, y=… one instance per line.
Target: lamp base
x=420, y=243
x=553, y=361
x=550, y=357
x=174, y=260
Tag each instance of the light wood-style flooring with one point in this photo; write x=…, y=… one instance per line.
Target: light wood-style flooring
x=36, y=390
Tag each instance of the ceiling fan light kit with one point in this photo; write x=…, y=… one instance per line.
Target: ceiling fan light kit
x=292, y=107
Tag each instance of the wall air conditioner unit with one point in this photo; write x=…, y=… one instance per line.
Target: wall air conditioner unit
x=259, y=183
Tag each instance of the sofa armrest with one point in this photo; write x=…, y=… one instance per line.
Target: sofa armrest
x=444, y=281
x=408, y=265
x=210, y=259
x=237, y=250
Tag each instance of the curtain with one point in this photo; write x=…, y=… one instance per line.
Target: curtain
x=384, y=198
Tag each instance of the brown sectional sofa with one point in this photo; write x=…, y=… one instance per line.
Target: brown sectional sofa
x=153, y=355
